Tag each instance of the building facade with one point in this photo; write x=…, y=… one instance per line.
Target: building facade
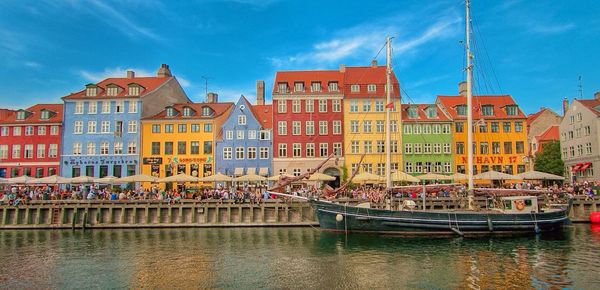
x=307, y=121
x=101, y=133
x=542, y=126
x=244, y=145
x=181, y=138
x=580, y=145
x=499, y=138
x=30, y=141
x=427, y=140
x=365, y=106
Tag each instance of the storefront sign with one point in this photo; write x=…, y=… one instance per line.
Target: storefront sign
x=491, y=159
x=192, y=160
x=152, y=160
x=103, y=160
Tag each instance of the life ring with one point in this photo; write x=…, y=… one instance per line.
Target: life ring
x=519, y=204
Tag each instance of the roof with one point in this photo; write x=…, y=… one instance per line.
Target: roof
x=532, y=117
x=34, y=116
x=421, y=115
x=551, y=134
x=264, y=114
x=307, y=77
x=369, y=75
x=149, y=84
x=5, y=113
x=592, y=104
x=498, y=101
x=218, y=108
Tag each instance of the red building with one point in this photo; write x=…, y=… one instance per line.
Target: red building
x=307, y=120
x=30, y=141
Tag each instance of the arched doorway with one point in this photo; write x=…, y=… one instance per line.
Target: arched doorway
x=333, y=172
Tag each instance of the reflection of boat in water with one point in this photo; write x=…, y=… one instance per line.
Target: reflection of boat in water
x=516, y=214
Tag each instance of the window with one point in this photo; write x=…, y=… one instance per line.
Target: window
x=91, y=128
x=578, y=132
x=511, y=110
x=53, y=150
x=310, y=127
x=483, y=128
x=5, y=131
x=371, y=88
x=416, y=128
x=155, y=128
x=104, y=148
x=105, y=127
x=207, y=111
x=587, y=131
x=337, y=127
x=168, y=148
x=394, y=126
x=118, y=150
x=519, y=147
x=461, y=110
x=354, y=147
x=572, y=151
x=170, y=112
x=427, y=148
x=353, y=126
x=353, y=167
x=437, y=129
x=337, y=148
x=295, y=106
x=588, y=148
x=447, y=148
x=239, y=152
x=298, y=87
x=155, y=148
x=295, y=127
x=495, y=147
x=241, y=119
x=336, y=106
x=207, y=128
x=412, y=112
x=418, y=148
x=322, y=127
x=378, y=106
x=487, y=110
x=579, y=149
x=296, y=150
x=408, y=148
x=28, y=151
x=119, y=107
x=460, y=148
x=315, y=86
x=252, y=134
x=265, y=135
x=264, y=153
x=28, y=130
x=431, y=112
x=368, y=167
x=296, y=172
x=16, y=151
x=282, y=128
x=181, y=128
x=408, y=167
x=229, y=134
x=92, y=107
x=380, y=169
x=207, y=148
x=168, y=128
x=323, y=149
x=366, y=106
x=483, y=148
x=572, y=119
x=282, y=88
x=106, y=107
x=353, y=106
x=132, y=127
x=227, y=153
x=494, y=127
x=132, y=107
x=446, y=129
x=281, y=106
x=368, y=146
x=309, y=105
x=354, y=88
x=379, y=126
x=380, y=146
x=239, y=134
x=323, y=106
x=507, y=147
x=77, y=127
x=333, y=86
x=579, y=117
x=367, y=126
x=194, y=147
x=181, y=147
x=3, y=151
x=282, y=150
x=518, y=126
x=78, y=108
x=91, y=148
x=251, y=152
x=437, y=148
x=506, y=127
x=407, y=129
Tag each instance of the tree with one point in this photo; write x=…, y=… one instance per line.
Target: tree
x=549, y=159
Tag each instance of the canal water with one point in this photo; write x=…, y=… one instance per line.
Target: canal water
x=294, y=258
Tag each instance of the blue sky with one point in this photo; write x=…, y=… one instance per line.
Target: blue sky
x=533, y=50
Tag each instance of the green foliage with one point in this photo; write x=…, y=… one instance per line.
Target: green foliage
x=549, y=159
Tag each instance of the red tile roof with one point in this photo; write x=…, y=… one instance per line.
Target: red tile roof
x=421, y=116
x=369, y=75
x=218, y=108
x=264, y=114
x=35, y=114
x=307, y=77
x=551, y=134
x=592, y=105
x=149, y=84
x=498, y=101
x=532, y=117
x=5, y=113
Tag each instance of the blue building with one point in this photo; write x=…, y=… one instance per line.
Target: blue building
x=245, y=145
x=102, y=132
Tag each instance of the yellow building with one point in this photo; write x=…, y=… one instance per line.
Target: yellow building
x=499, y=135
x=181, y=139
x=364, y=120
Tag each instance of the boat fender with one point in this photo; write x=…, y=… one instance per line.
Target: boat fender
x=490, y=225
x=595, y=217
x=339, y=217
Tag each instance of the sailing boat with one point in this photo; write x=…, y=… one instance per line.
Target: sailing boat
x=513, y=214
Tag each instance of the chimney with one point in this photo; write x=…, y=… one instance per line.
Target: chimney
x=597, y=96
x=462, y=88
x=260, y=93
x=212, y=98
x=342, y=68
x=130, y=74
x=164, y=71
x=374, y=63
x=565, y=106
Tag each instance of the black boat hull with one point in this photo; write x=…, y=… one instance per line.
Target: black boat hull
x=342, y=218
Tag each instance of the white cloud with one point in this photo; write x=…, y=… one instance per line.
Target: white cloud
x=96, y=76
x=551, y=28
x=184, y=82
x=32, y=64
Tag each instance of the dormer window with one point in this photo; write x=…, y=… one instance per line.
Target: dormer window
x=431, y=112
x=487, y=110
x=315, y=86
x=511, y=110
x=282, y=88
x=241, y=119
x=187, y=112
x=134, y=90
x=371, y=88
x=170, y=112
x=91, y=91
x=461, y=110
x=45, y=115
x=333, y=86
x=112, y=90
x=412, y=112
x=298, y=86
x=354, y=88
x=21, y=115
x=207, y=111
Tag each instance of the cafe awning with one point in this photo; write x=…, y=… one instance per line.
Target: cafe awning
x=585, y=166
x=576, y=167
x=264, y=171
x=251, y=171
x=238, y=171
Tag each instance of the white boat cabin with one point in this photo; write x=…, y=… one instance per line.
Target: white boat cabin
x=519, y=204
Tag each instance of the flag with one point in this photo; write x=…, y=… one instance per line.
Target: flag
x=390, y=105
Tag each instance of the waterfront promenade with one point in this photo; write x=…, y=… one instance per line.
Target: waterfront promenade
x=206, y=213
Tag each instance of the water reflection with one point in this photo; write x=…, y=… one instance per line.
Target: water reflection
x=293, y=258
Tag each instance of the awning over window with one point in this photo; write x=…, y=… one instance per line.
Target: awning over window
x=251, y=170
x=263, y=171
x=585, y=166
x=238, y=171
x=576, y=167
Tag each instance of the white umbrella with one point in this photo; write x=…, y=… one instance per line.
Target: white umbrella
x=458, y=176
x=2, y=180
x=538, y=175
x=366, y=177
x=317, y=176
x=250, y=178
x=54, y=179
x=277, y=177
x=19, y=180
x=81, y=180
x=107, y=180
x=138, y=178
x=179, y=178
x=495, y=175
x=218, y=177
x=403, y=176
x=434, y=176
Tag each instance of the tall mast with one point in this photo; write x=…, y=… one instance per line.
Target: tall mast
x=388, y=133
x=469, y=108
